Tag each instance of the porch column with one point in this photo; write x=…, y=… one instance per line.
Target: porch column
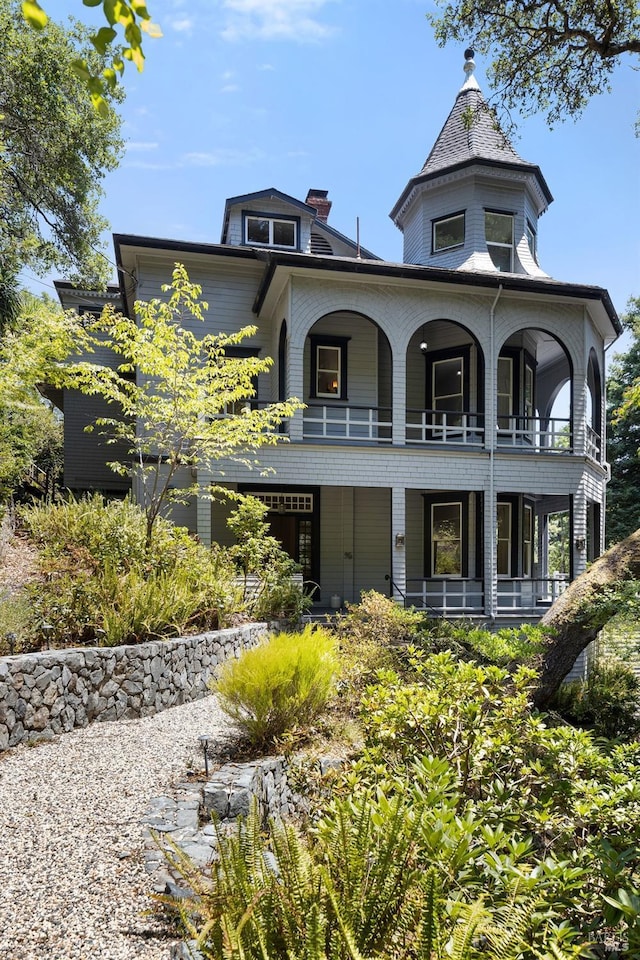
x=399, y=400
x=295, y=388
x=579, y=531
x=398, y=546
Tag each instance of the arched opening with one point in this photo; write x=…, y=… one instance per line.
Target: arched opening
x=445, y=385
x=533, y=378
x=347, y=380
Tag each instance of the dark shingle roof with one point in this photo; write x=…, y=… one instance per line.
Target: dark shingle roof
x=471, y=132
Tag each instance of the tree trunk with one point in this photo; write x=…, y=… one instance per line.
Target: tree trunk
x=578, y=615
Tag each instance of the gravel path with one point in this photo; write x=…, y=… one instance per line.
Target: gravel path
x=72, y=880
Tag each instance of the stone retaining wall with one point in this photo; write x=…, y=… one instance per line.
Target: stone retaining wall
x=43, y=694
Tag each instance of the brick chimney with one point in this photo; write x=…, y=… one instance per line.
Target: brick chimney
x=318, y=199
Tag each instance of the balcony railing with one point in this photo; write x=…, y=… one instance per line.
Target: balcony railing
x=549, y=434
x=445, y=426
x=341, y=422
x=520, y=595
x=448, y=597
x=593, y=443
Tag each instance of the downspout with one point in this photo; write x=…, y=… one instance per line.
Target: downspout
x=492, y=579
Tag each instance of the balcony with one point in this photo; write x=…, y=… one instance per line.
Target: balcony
x=427, y=427
x=342, y=422
x=548, y=435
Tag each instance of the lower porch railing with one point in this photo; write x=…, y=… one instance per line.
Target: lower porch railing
x=447, y=598
x=457, y=597
x=522, y=595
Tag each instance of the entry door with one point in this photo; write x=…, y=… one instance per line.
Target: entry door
x=295, y=534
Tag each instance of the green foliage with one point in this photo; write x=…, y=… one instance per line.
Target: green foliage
x=371, y=880
x=175, y=415
x=623, y=433
x=520, y=645
x=55, y=151
x=103, y=585
x=132, y=18
x=31, y=351
x=548, y=57
x=267, y=571
x=372, y=635
x=279, y=686
x=607, y=702
x=469, y=826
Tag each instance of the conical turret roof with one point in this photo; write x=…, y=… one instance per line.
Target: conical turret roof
x=471, y=135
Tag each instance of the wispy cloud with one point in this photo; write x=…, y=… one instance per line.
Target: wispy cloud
x=222, y=157
x=183, y=25
x=275, y=20
x=138, y=146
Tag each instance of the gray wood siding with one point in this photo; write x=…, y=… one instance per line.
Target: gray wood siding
x=86, y=454
x=372, y=540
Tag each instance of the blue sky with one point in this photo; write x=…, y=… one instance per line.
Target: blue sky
x=347, y=96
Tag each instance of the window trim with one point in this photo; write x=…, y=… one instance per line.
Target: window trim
x=317, y=341
x=498, y=244
x=440, y=220
x=272, y=218
x=431, y=500
x=528, y=508
x=436, y=356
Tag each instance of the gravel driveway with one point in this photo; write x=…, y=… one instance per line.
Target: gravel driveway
x=72, y=881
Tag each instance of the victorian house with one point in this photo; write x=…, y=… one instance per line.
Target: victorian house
x=429, y=457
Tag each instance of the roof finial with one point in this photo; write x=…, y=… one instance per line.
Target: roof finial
x=469, y=66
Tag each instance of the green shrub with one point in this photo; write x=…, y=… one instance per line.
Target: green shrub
x=279, y=686
x=607, y=702
x=372, y=635
x=104, y=586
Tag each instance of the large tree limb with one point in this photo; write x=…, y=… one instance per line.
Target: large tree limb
x=578, y=615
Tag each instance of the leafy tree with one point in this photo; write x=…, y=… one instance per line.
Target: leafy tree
x=180, y=409
x=623, y=433
x=132, y=18
x=31, y=352
x=54, y=151
x=549, y=57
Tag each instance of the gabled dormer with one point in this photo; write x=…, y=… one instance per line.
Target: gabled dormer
x=475, y=204
x=273, y=220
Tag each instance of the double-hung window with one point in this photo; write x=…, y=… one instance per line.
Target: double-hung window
x=498, y=229
x=329, y=367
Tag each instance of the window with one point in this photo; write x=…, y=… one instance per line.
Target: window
x=329, y=367
x=328, y=371
x=503, y=540
x=505, y=392
x=532, y=240
x=448, y=388
x=527, y=541
x=448, y=232
x=446, y=539
x=498, y=229
x=261, y=230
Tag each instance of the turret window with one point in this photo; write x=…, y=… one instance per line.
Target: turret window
x=498, y=230
x=532, y=240
x=448, y=232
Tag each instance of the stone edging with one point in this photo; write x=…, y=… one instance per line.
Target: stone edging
x=51, y=692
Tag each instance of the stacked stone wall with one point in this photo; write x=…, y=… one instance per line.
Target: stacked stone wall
x=44, y=694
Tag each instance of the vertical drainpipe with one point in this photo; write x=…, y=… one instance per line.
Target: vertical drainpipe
x=492, y=578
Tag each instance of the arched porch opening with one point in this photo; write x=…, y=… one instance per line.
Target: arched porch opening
x=347, y=380
x=444, y=385
x=533, y=395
